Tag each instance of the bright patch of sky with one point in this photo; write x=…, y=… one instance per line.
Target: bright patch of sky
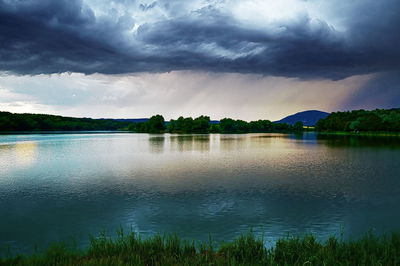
x=186, y=93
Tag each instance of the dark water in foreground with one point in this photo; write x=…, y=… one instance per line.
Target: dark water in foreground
x=64, y=186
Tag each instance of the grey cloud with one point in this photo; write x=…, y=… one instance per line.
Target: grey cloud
x=145, y=7
x=382, y=91
x=71, y=12
x=60, y=36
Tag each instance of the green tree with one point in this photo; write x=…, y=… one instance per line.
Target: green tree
x=214, y=128
x=227, y=125
x=201, y=124
x=156, y=124
x=370, y=122
x=298, y=126
x=361, y=120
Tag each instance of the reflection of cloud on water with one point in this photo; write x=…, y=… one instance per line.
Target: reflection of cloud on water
x=216, y=206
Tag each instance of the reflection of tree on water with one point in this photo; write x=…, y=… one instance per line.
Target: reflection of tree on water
x=190, y=142
x=298, y=135
x=156, y=143
x=232, y=142
x=358, y=141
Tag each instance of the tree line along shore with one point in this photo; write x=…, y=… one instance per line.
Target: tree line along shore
x=156, y=124
x=379, y=120
x=203, y=125
x=357, y=121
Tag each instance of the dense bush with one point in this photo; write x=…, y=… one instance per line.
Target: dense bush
x=361, y=120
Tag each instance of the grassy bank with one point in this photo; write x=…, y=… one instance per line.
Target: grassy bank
x=246, y=250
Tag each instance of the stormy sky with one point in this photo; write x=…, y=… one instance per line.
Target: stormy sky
x=247, y=59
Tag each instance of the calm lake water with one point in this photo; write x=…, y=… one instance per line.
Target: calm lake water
x=64, y=186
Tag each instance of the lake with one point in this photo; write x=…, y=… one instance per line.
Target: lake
x=61, y=187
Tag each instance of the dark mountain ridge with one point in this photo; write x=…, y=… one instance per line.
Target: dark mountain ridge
x=309, y=118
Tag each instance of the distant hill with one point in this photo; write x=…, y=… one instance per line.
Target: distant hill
x=309, y=118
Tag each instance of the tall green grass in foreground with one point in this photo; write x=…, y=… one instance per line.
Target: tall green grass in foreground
x=246, y=250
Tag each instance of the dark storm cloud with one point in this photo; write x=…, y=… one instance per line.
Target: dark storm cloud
x=56, y=36
x=59, y=36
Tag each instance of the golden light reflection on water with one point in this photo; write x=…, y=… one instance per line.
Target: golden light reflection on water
x=23, y=153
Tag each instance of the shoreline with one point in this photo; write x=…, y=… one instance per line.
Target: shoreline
x=360, y=134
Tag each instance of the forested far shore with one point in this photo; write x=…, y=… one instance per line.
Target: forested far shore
x=379, y=120
x=42, y=122
x=357, y=121
x=10, y=122
x=202, y=125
